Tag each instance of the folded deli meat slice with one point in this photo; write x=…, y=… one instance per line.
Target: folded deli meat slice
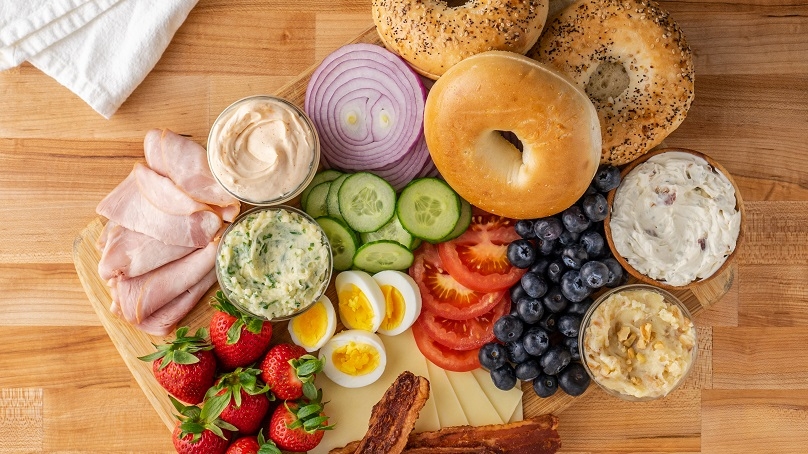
x=151, y=204
x=127, y=254
x=163, y=321
x=185, y=162
x=141, y=296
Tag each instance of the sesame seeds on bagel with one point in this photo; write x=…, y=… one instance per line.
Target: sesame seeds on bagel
x=432, y=36
x=635, y=65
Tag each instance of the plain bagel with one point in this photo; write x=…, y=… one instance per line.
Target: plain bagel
x=632, y=60
x=477, y=100
x=432, y=36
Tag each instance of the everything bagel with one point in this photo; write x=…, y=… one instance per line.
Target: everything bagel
x=432, y=36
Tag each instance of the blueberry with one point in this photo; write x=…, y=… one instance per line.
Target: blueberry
x=593, y=243
x=534, y=285
x=548, y=228
x=574, y=380
x=527, y=370
x=545, y=385
x=579, y=307
x=574, y=256
x=517, y=292
x=569, y=325
x=575, y=220
x=615, y=272
x=573, y=286
x=508, y=328
x=571, y=343
x=521, y=254
x=568, y=238
x=554, y=271
x=516, y=352
x=607, y=178
x=492, y=355
x=530, y=310
x=504, y=377
x=591, y=189
x=594, y=274
x=536, y=341
x=595, y=207
x=554, y=360
x=554, y=300
x=546, y=247
x=548, y=323
x=524, y=228
x=539, y=267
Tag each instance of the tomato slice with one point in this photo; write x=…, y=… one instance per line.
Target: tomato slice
x=445, y=358
x=478, y=259
x=463, y=334
x=442, y=294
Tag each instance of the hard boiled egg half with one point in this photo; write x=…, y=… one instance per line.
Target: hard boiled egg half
x=313, y=328
x=361, y=302
x=354, y=358
x=402, y=300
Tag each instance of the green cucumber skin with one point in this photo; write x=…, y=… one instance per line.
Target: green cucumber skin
x=415, y=230
x=320, y=177
x=340, y=263
x=365, y=224
x=332, y=199
x=372, y=267
x=463, y=222
x=319, y=210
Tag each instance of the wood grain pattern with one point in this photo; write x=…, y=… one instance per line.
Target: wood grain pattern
x=58, y=158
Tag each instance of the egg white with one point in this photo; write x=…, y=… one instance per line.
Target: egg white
x=344, y=338
x=409, y=292
x=331, y=325
x=367, y=285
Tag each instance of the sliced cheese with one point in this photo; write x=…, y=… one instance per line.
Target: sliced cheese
x=450, y=413
x=349, y=408
x=518, y=414
x=478, y=409
x=505, y=402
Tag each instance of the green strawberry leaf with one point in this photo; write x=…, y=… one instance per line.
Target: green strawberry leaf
x=214, y=407
x=225, y=425
x=217, y=431
x=182, y=331
x=268, y=448
x=181, y=357
x=234, y=332
x=308, y=410
x=152, y=356
x=311, y=425
x=192, y=427
x=177, y=404
x=310, y=391
x=254, y=325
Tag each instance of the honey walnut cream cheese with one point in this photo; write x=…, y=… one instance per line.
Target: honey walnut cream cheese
x=638, y=345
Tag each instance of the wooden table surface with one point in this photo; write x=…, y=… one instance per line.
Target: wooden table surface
x=64, y=388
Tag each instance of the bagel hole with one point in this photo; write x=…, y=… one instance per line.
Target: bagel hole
x=455, y=3
x=609, y=80
x=511, y=137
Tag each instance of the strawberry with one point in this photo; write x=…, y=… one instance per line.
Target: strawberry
x=199, y=430
x=238, y=339
x=185, y=367
x=245, y=397
x=299, y=426
x=286, y=369
x=253, y=444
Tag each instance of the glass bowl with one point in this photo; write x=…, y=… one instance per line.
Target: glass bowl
x=260, y=270
x=643, y=351
x=232, y=135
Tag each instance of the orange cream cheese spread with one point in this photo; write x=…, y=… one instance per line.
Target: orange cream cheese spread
x=262, y=149
x=639, y=345
x=674, y=218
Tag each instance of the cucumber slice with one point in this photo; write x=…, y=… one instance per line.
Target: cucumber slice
x=428, y=208
x=392, y=231
x=322, y=177
x=342, y=239
x=315, y=202
x=415, y=243
x=462, y=223
x=382, y=255
x=332, y=201
x=366, y=202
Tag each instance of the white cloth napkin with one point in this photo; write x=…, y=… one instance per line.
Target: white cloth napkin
x=99, y=49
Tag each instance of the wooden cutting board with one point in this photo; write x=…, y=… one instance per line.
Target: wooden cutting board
x=132, y=343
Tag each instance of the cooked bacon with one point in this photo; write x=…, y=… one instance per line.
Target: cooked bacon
x=442, y=450
x=151, y=204
x=185, y=163
x=163, y=321
x=127, y=254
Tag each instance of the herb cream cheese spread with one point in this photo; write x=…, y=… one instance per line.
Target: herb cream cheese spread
x=273, y=262
x=674, y=218
x=637, y=344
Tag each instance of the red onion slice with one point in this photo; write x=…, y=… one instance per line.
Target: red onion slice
x=368, y=108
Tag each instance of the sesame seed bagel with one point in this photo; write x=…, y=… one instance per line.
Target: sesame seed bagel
x=432, y=36
x=488, y=96
x=632, y=60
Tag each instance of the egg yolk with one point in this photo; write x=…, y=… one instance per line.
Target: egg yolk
x=311, y=325
x=355, y=309
x=394, y=307
x=355, y=359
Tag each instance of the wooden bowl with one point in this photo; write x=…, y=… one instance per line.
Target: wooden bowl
x=645, y=279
